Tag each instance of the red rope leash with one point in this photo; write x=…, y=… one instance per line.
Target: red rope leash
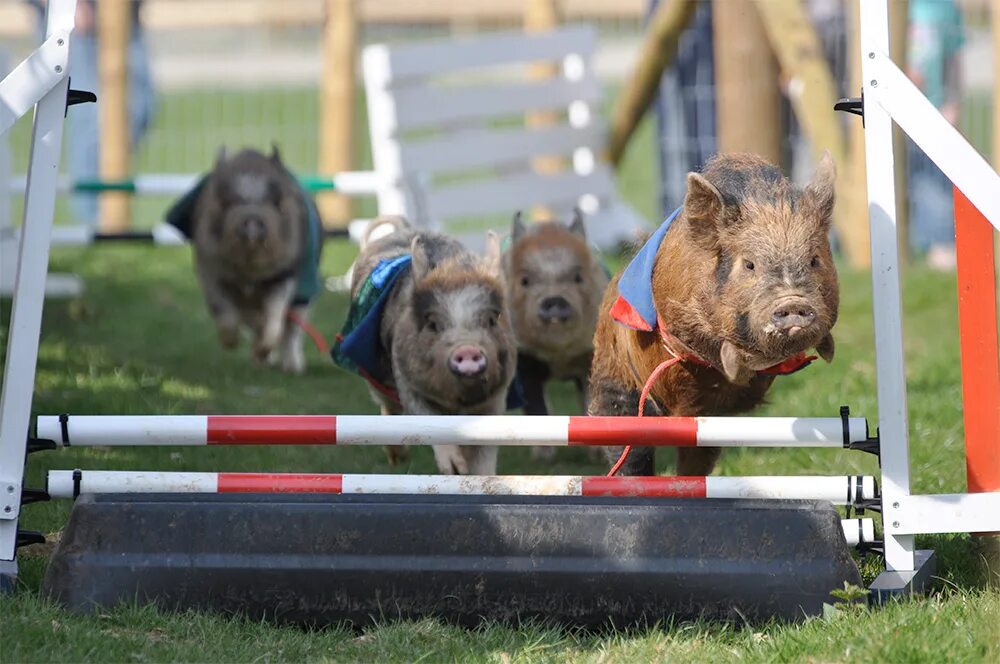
x=313, y=333
x=653, y=377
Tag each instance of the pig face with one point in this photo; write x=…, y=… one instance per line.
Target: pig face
x=775, y=289
x=251, y=192
x=554, y=296
x=463, y=347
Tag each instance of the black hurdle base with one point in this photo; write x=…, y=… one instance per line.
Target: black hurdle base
x=321, y=559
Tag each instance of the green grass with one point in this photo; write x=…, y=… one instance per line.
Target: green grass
x=140, y=342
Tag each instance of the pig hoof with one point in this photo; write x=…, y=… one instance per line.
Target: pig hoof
x=262, y=353
x=396, y=454
x=229, y=338
x=293, y=365
x=543, y=453
x=450, y=460
x=293, y=361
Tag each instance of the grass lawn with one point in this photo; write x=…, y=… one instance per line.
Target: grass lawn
x=140, y=342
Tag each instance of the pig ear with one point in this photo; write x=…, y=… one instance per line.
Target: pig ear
x=420, y=262
x=732, y=365
x=576, y=226
x=517, y=228
x=493, y=253
x=275, y=154
x=703, y=200
x=825, y=348
x=821, y=191
x=703, y=205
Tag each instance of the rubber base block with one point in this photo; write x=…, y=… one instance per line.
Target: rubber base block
x=321, y=559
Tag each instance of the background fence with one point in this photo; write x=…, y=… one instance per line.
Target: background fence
x=251, y=72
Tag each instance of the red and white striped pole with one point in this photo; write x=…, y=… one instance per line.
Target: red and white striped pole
x=507, y=430
x=839, y=490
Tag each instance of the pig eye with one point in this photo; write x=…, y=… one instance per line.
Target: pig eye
x=814, y=262
x=491, y=318
x=431, y=324
x=748, y=265
x=524, y=282
x=578, y=278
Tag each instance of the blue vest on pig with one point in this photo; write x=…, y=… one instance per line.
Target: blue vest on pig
x=358, y=349
x=181, y=216
x=635, y=308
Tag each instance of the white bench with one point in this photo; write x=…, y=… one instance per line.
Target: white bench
x=451, y=146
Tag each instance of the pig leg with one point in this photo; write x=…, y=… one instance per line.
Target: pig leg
x=273, y=308
x=608, y=397
x=394, y=454
x=480, y=460
x=583, y=392
x=466, y=459
x=449, y=458
x=533, y=373
x=697, y=461
x=225, y=314
x=292, y=358
x=596, y=454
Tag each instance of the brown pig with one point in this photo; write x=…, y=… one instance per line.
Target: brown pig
x=554, y=284
x=429, y=330
x=738, y=284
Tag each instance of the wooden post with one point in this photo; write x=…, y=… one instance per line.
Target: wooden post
x=748, y=102
x=853, y=194
x=658, y=49
x=812, y=92
x=898, y=38
x=337, y=101
x=113, y=25
x=542, y=16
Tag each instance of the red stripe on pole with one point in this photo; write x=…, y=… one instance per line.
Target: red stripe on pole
x=651, y=431
x=661, y=487
x=279, y=483
x=272, y=430
x=977, y=326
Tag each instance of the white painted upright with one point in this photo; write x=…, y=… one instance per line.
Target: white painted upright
x=29, y=285
x=886, y=292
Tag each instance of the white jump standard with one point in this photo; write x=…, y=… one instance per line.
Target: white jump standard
x=507, y=430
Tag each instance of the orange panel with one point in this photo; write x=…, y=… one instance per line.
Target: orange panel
x=977, y=319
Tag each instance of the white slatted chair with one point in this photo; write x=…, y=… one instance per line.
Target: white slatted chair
x=449, y=141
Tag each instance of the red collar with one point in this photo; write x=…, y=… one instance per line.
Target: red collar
x=784, y=368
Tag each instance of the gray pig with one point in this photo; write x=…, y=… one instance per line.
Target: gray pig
x=429, y=330
x=257, y=241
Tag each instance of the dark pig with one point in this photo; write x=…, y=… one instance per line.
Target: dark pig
x=257, y=241
x=739, y=283
x=554, y=284
x=429, y=329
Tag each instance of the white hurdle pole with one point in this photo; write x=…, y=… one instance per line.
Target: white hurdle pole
x=507, y=430
x=839, y=490
x=347, y=183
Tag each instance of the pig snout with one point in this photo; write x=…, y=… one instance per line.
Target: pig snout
x=253, y=229
x=467, y=361
x=793, y=315
x=555, y=308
